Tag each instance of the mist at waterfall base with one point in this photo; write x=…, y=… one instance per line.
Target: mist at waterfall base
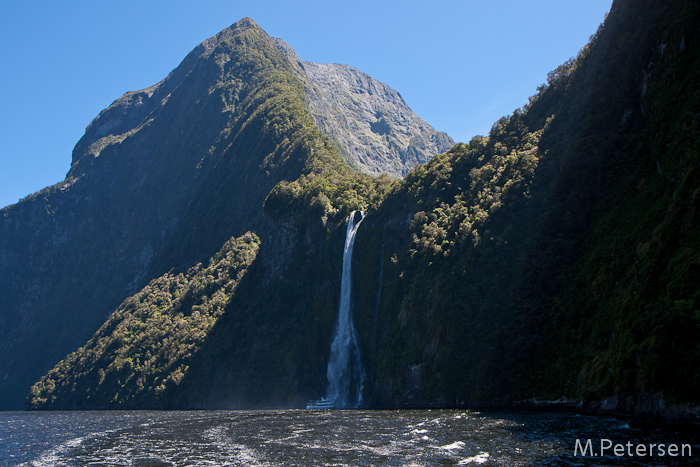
x=346, y=375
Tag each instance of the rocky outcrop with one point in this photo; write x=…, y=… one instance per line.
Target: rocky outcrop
x=373, y=126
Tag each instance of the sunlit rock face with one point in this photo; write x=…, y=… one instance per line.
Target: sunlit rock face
x=371, y=123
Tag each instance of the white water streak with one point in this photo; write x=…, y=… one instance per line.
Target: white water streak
x=345, y=373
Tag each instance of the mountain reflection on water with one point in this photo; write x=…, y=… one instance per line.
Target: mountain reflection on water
x=307, y=438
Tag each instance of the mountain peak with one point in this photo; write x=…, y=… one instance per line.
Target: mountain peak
x=239, y=27
x=147, y=170
x=165, y=175
x=245, y=23
x=134, y=110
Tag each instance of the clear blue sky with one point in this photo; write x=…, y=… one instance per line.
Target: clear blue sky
x=459, y=64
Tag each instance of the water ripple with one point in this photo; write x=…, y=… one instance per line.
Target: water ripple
x=303, y=438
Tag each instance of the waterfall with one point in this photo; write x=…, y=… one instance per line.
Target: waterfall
x=345, y=373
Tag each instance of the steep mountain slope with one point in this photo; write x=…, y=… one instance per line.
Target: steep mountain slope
x=374, y=128
x=145, y=347
x=212, y=338
x=557, y=257
x=161, y=179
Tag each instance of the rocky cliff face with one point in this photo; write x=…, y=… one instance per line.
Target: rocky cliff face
x=164, y=176
x=160, y=180
x=371, y=123
x=557, y=257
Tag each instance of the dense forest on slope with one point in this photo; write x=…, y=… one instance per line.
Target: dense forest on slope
x=161, y=179
x=151, y=352
x=146, y=345
x=164, y=176
x=559, y=255
x=555, y=257
x=212, y=338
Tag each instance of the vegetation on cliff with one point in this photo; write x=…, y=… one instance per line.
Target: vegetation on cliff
x=556, y=256
x=160, y=181
x=144, y=349
x=265, y=134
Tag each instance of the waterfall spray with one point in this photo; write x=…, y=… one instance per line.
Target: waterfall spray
x=345, y=373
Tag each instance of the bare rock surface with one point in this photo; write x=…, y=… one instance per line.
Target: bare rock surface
x=373, y=126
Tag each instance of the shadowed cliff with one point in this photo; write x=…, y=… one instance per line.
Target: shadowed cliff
x=555, y=258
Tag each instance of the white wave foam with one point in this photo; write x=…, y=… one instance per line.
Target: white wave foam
x=52, y=458
x=481, y=458
x=239, y=452
x=453, y=446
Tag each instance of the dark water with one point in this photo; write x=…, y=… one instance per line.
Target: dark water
x=336, y=438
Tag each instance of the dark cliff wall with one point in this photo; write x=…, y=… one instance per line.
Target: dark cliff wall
x=160, y=180
x=555, y=257
x=558, y=256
